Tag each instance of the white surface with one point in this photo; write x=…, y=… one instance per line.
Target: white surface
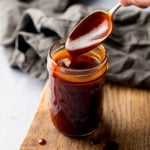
x=19, y=96
x=19, y=99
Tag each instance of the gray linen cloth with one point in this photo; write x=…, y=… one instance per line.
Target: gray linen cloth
x=31, y=26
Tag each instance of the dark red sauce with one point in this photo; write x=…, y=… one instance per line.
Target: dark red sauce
x=76, y=107
x=89, y=33
x=42, y=141
x=111, y=145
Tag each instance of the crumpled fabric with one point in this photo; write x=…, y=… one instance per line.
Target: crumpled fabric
x=30, y=27
x=129, y=49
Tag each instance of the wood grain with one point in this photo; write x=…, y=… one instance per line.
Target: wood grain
x=126, y=120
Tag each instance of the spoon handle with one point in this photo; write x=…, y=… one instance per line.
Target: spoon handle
x=115, y=8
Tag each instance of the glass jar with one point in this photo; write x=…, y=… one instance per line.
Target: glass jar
x=76, y=88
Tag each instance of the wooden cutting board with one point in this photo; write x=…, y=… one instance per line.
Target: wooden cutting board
x=126, y=121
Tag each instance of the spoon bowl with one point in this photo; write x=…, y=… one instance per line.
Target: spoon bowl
x=91, y=31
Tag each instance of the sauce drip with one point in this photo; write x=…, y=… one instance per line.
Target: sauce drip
x=111, y=145
x=89, y=33
x=42, y=141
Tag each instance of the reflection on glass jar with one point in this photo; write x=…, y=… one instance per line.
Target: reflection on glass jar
x=76, y=89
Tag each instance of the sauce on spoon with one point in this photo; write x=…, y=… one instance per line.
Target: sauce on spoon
x=90, y=32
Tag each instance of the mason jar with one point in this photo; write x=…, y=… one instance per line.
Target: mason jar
x=76, y=88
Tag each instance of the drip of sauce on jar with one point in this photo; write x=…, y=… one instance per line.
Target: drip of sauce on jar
x=91, y=31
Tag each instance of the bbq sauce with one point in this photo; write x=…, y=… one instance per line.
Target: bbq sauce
x=76, y=89
x=42, y=141
x=89, y=33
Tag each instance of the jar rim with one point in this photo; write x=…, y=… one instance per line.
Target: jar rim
x=74, y=70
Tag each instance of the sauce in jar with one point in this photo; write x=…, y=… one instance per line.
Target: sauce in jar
x=76, y=85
